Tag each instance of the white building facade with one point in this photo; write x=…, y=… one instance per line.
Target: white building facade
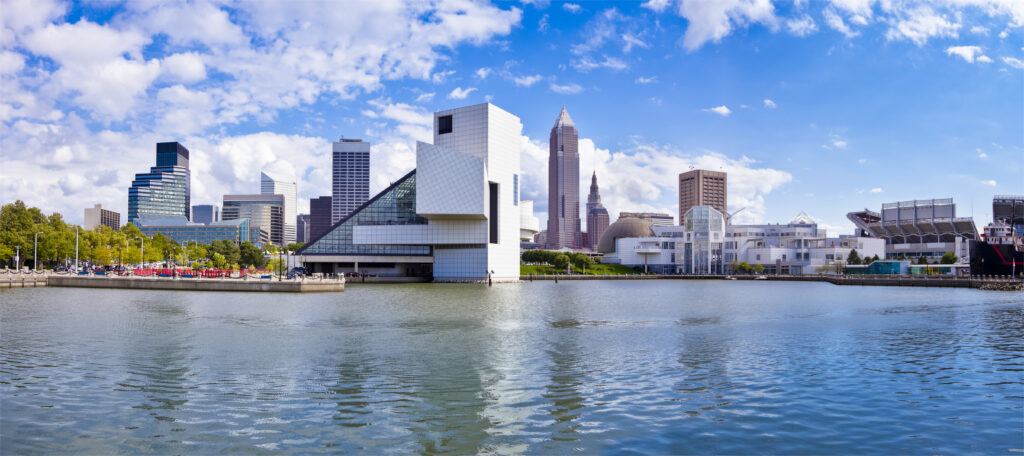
x=463, y=210
x=704, y=244
x=272, y=184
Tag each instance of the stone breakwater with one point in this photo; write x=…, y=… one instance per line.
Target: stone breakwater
x=999, y=284
x=150, y=283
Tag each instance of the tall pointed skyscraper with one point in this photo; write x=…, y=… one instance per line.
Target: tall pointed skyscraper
x=563, y=184
x=597, y=215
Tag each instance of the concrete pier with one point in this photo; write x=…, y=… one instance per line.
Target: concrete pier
x=196, y=284
x=22, y=280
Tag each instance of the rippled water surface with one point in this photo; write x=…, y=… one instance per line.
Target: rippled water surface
x=589, y=367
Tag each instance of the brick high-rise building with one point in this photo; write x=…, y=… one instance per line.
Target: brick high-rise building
x=597, y=215
x=563, y=184
x=700, y=187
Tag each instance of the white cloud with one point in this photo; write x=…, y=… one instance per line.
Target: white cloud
x=836, y=22
x=981, y=154
x=423, y=97
x=11, y=62
x=184, y=111
x=527, y=81
x=768, y=103
x=723, y=110
x=631, y=42
x=586, y=64
x=979, y=30
x=920, y=24
x=185, y=67
x=1014, y=62
x=989, y=183
x=836, y=142
x=710, y=21
x=656, y=5
x=572, y=7
x=482, y=73
x=876, y=190
x=565, y=89
x=459, y=93
x=801, y=26
x=965, y=52
x=646, y=79
x=984, y=59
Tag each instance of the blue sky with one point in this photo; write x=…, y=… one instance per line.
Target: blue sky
x=814, y=106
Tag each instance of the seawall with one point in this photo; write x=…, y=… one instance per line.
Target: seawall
x=951, y=282
x=147, y=283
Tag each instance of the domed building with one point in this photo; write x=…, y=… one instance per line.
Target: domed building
x=627, y=226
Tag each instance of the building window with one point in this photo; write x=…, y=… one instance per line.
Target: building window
x=444, y=125
x=493, y=212
x=515, y=189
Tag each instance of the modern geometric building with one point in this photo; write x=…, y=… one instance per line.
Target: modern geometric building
x=597, y=215
x=701, y=187
x=165, y=189
x=350, y=176
x=456, y=217
x=563, y=184
x=656, y=218
x=180, y=230
x=273, y=184
x=319, y=216
x=302, y=228
x=918, y=228
x=529, y=225
x=705, y=244
x=265, y=213
x=205, y=213
x=629, y=225
x=97, y=215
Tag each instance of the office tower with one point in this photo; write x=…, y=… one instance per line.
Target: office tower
x=180, y=230
x=350, y=177
x=320, y=213
x=273, y=184
x=165, y=189
x=699, y=187
x=97, y=215
x=597, y=215
x=264, y=212
x=205, y=213
x=563, y=184
x=456, y=217
x=302, y=228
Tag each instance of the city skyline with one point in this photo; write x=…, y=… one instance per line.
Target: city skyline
x=806, y=105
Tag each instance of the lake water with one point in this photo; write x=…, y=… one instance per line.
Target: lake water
x=589, y=367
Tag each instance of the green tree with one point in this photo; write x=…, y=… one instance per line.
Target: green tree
x=948, y=258
x=743, y=268
x=295, y=246
x=560, y=261
x=218, y=260
x=853, y=258
x=758, y=268
x=252, y=256
x=922, y=260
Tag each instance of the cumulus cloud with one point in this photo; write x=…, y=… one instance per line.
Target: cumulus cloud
x=722, y=110
x=646, y=79
x=482, y=73
x=714, y=20
x=460, y=93
x=565, y=89
x=185, y=67
x=768, y=103
x=1014, y=62
x=920, y=24
x=656, y=5
x=572, y=7
x=801, y=26
x=527, y=81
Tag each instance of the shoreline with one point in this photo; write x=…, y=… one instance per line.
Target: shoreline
x=951, y=282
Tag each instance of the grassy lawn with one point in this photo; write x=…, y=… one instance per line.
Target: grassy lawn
x=596, y=269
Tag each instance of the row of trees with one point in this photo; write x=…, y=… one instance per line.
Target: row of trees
x=20, y=226
x=855, y=258
x=560, y=260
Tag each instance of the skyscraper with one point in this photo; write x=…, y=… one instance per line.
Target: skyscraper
x=319, y=216
x=597, y=215
x=205, y=213
x=265, y=214
x=350, y=176
x=563, y=184
x=272, y=184
x=700, y=187
x=165, y=189
x=302, y=228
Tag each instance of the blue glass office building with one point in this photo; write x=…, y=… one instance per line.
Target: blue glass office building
x=181, y=230
x=164, y=190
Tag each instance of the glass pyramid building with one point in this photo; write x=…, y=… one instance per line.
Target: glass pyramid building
x=396, y=205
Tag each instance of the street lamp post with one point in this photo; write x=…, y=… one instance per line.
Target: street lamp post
x=35, y=250
x=76, y=249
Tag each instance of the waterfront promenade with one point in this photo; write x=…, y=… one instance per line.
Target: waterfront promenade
x=40, y=279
